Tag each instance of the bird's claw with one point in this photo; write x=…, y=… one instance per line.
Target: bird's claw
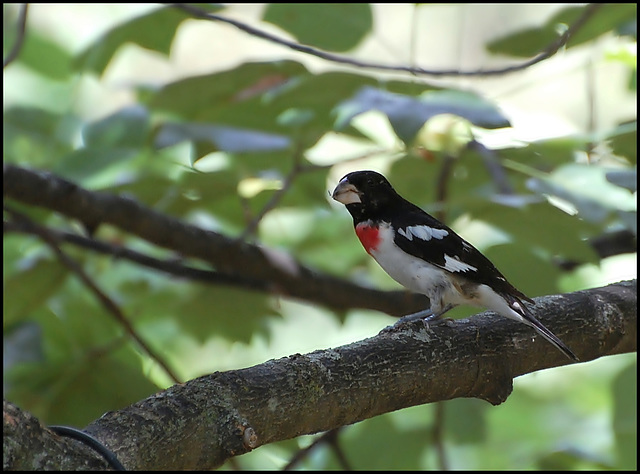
x=406, y=321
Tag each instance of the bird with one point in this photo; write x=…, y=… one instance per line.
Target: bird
x=425, y=256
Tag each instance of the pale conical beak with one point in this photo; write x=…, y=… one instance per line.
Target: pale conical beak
x=346, y=193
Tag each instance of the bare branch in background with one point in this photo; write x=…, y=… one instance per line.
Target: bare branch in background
x=549, y=51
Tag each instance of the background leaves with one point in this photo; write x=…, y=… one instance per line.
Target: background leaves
x=245, y=138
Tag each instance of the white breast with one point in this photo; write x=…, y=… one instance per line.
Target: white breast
x=413, y=273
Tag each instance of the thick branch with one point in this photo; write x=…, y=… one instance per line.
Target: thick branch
x=283, y=274
x=200, y=424
x=28, y=446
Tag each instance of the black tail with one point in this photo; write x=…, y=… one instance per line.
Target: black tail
x=553, y=339
x=544, y=332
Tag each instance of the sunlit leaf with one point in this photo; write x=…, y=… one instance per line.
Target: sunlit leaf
x=154, y=31
x=531, y=41
x=587, y=188
x=408, y=114
x=230, y=139
x=626, y=179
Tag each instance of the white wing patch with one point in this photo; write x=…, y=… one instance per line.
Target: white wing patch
x=423, y=232
x=453, y=264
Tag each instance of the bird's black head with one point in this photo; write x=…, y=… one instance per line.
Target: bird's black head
x=365, y=193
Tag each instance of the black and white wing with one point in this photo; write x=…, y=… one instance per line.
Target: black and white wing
x=424, y=237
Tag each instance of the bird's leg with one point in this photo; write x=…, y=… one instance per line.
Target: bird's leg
x=427, y=315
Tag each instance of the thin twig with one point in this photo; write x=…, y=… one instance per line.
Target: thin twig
x=448, y=163
x=330, y=438
x=20, y=34
x=105, y=300
x=170, y=267
x=549, y=51
x=495, y=169
x=438, y=436
x=276, y=197
x=591, y=106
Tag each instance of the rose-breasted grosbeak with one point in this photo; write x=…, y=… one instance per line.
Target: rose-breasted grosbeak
x=427, y=257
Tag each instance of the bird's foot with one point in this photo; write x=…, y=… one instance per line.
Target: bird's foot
x=427, y=316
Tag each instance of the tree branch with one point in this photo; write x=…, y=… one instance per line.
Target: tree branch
x=204, y=422
x=549, y=51
x=283, y=274
x=24, y=436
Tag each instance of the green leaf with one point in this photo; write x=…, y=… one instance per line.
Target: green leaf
x=216, y=193
x=21, y=343
x=545, y=155
x=279, y=97
x=76, y=391
x=524, y=43
x=370, y=442
x=208, y=98
x=31, y=288
x=154, y=31
x=465, y=420
x=561, y=235
x=570, y=460
x=624, y=141
x=407, y=114
x=468, y=105
x=625, y=179
x=609, y=16
x=625, y=403
x=229, y=139
x=528, y=271
x=38, y=123
x=45, y=57
x=262, y=97
x=94, y=167
x=128, y=127
x=224, y=311
x=205, y=311
x=532, y=41
x=36, y=136
x=330, y=26
x=587, y=188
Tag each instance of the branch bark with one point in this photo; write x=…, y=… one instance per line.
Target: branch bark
x=29, y=446
x=202, y=423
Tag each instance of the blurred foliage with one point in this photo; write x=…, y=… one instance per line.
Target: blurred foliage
x=213, y=149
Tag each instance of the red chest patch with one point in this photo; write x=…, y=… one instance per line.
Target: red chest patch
x=369, y=236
